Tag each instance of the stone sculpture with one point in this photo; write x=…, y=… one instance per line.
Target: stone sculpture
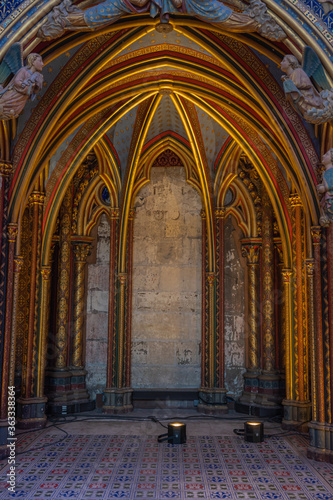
x=67, y=16
x=325, y=189
x=314, y=106
x=24, y=85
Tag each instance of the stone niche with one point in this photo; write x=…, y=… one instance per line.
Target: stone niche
x=97, y=310
x=166, y=323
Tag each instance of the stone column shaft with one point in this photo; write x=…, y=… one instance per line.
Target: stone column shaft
x=81, y=252
x=129, y=299
x=312, y=337
x=316, y=234
x=18, y=262
x=330, y=305
x=287, y=277
x=220, y=219
x=36, y=201
x=204, y=360
x=61, y=337
x=114, y=223
x=251, y=251
x=12, y=233
x=43, y=327
x=268, y=317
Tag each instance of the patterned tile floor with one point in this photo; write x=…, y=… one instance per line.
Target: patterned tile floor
x=106, y=466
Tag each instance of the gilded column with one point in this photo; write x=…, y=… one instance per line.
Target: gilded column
x=18, y=263
x=212, y=395
x=310, y=267
x=31, y=410
x=298, y=409
x=321, y=428
x=128, y=340
x=43, y=327
x=117, y=396
x=268, y=392
x=114, y=226
x=220, y=302
x=329, y=244
x=5, y=172
x=12, y=234
x=81, y=251
x=318, y=312
x=251, y=251
x=36, y=207
x=287, y=281
x=58, y=375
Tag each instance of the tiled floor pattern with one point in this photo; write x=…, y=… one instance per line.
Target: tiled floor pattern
x=137, y=467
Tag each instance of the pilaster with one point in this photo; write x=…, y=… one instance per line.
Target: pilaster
x=251, y=251
x=30, y=407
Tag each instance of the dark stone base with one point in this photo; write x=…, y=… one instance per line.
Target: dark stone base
x=54, y=408
x=213, y=401
x=30, y=413
x=258, y=410
x=160, y=399
x=118, y=401
x=320, y=455
x=321, y=442
x=4, y=450
x=297, y=414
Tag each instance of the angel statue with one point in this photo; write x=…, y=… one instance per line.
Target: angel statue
x=67, y=16
x=315, y=107
x=326, y=189
x=25, y=83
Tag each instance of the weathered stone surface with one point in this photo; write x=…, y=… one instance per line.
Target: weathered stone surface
x=157, y=325
x=180, y=279
x=165, y=377
x=97, y=326
x=234, y=311
x=99, y=301
x=139, y=353
x=187, y=353
x=146, y=279
x=167, y=282
x=98, y=277
x=168, y=301
x=161, y=353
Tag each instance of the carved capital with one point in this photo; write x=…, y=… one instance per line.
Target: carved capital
x=310, y=266
x=46, y=272
x=251, y=250
x=12, y=232
x=5, y=168
x=81, y=251
x=295, y=200
x=220, y=213
x=286, y=275
x=114, y=213
x=316, y=235
x=36, y=198
x=122, y=278
x=18, y=263
x=210, y=278
x=131, y=214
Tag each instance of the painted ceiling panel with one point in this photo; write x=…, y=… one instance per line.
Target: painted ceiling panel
x=213, y=135
x=155, y=38
x=166, y=118
x=121, y=135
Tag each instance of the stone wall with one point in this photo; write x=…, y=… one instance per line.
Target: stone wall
x=97, y=310
x=235, y=269
x=166, y=326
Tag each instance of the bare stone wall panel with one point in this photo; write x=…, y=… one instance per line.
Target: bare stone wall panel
x=166, y=323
